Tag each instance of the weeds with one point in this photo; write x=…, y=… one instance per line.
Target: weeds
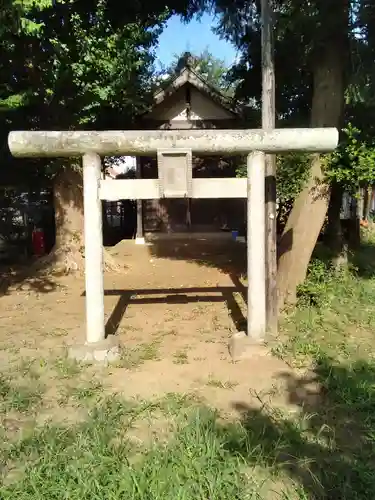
x=323, y=448
x=132, y=358
x=20, y=398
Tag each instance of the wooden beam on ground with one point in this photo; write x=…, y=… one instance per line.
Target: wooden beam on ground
x=147, y=142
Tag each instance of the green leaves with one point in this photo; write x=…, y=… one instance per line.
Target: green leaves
x=73, y=63
x=66, y=64
x=292, y=173
x=213, y=70
x=352, y=165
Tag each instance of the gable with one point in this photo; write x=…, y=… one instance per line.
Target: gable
x=177, y=105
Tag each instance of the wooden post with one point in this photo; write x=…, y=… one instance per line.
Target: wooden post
x=95, y=331
x=256, y=290
x=268, y=123
x=139, y=238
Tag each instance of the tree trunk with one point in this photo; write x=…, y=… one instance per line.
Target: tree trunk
x=68, y=203
x=354, y=236
x=310, y=208
x=68, y=253
x=335, y=237
x=367, y=203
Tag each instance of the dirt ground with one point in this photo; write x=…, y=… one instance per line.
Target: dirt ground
x=173, y=311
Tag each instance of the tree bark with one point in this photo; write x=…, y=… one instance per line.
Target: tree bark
x=367, y=203
x=268, y=123
x=68, y=204
x=334, y=233
x=310, y=208
x=68, y=254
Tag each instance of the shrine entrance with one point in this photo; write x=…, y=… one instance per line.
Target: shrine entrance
x=174, y=155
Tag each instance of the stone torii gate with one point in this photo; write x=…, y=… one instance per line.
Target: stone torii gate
x=174, y=153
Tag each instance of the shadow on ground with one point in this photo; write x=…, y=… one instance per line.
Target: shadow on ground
x=27, y=276
x=324, y=452
x=175, y=296
x=329, y=449
x=363, y=261
x=44, y=275
x=225, y=255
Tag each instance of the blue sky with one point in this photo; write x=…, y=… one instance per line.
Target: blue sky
x=194, y=37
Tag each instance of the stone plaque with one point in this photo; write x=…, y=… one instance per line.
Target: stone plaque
x=175, y=173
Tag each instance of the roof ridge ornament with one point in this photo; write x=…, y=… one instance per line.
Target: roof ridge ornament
x=186, y=61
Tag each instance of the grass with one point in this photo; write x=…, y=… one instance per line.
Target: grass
x=325, y=450
x=85, y=460
x=132, y=358
x=335, y=317
x=19, y=398
x=180, y=358
x=90, y=392
x=221, y=384
x=67, y=368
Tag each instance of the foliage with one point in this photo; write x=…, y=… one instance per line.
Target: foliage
x=67, y=65
x=292, y=173
x=352, y=165
x=318, y=290
x=213, y=70
x=300, y=29
x=79, y=65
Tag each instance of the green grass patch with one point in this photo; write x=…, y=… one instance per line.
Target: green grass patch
x=85, y=394
x=221, y=384
x=20, y=398
x=67, y=368
x=335, y=315
x=323, y=449
x=180, y=358
x=326, y=452
x=332, y=332
x=132, y=358
x=95, y=459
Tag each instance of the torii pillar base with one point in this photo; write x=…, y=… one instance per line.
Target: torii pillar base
x=106, y=351
x=241, y=346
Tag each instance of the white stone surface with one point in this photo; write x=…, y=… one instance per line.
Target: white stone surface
x=95, y=330
x=147, y=142
x=106, y=351
x=256, y=255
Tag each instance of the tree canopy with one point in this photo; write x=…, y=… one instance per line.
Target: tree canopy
x=90, y=64
x=213, y=70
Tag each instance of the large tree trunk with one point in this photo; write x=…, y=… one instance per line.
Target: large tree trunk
x=68, y=203
x=68, y=253
x=310, y=208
